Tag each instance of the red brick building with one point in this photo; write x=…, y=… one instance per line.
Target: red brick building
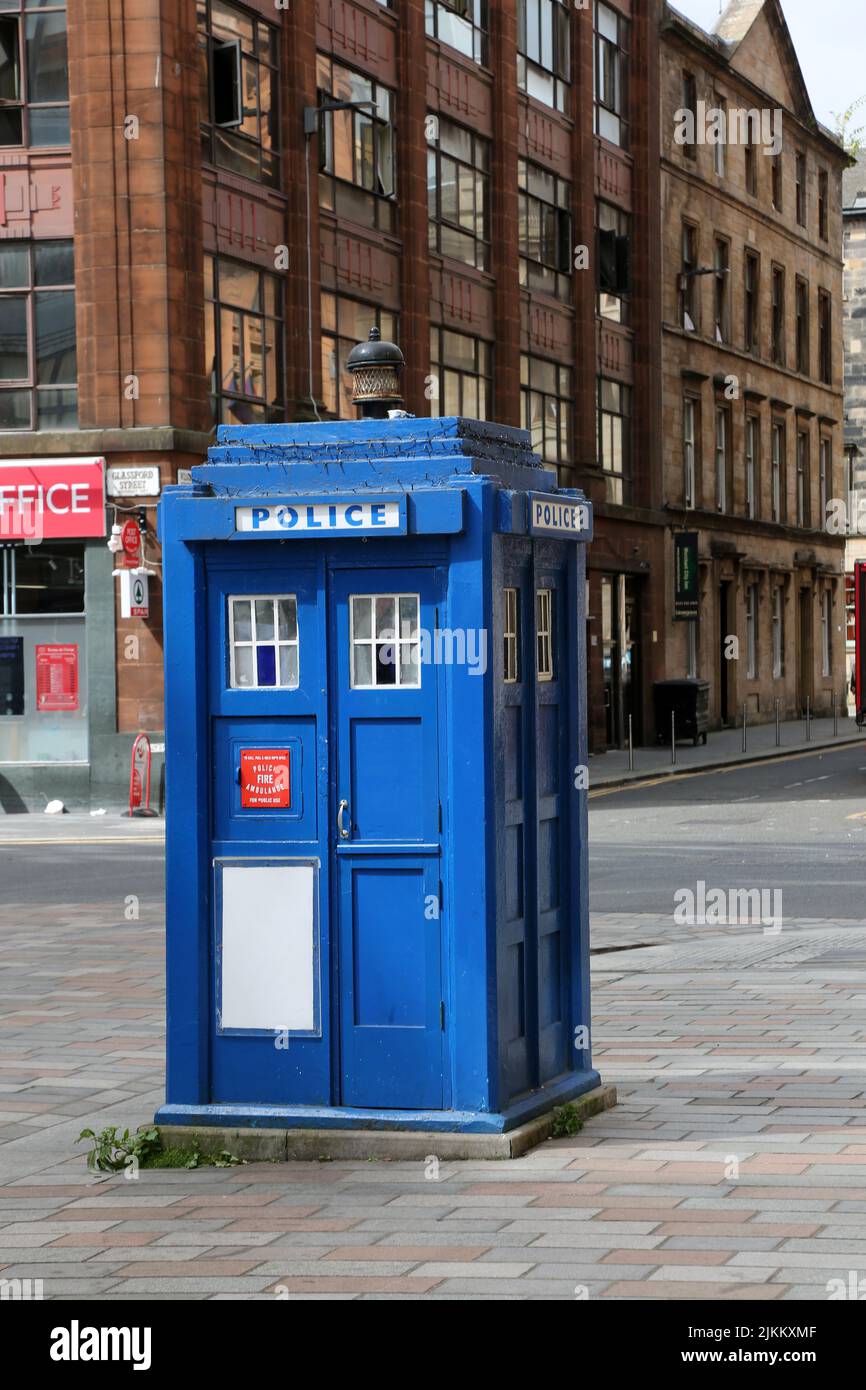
x=235, y=193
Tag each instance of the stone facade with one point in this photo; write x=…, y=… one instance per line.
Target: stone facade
x=753, y=369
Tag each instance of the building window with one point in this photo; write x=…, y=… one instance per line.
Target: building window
x=721, y=284
x=801, y=304
x=356, y=147
x=825, y=476
x=458, y=195
x=778, y=632
x=690, y=451
x=385, y=641
x=850, y=608
x=34, y=74
x=751, y=631
x=750, y=156
x=544, y=634
x=243, y=342
x=614, y=438
x=778, y=464
x=613, y=262
x=721, y=135
x=690, y=104
x=611, y=75
x=777, y=181
x=238, y=70
x=803, y=481
x=263, y=642
x=825, y=337
x=752, y=271
x=345, y=323
x=723, y=449
x=545, y=408
x=826, y=633
x=461, y=367
x=44, y=579
x=688, y=283
x=778, y=315
x=511, y=637
x=544, y=50
x=544, y=230
x=823, y=186
x=461, y=24
x=38, y=371
x=800, y=188
x=753, y=445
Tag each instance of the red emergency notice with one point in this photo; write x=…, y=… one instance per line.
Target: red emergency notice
x=265, y=777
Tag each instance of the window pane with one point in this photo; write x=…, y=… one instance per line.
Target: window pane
x=361, y=616
x=408, y=616
x=53, y=263
x=47, y=73
x=362, y=664
x=385, y=619
x=238, y=285
x=242, y=621
x=264, y=620
x=55, y=337
x=50, y=578
x=14, y=267
x=288, y=666
x=244, y=666
x=57, y=410
x=386, y=665
x=288, y=619
x=410, y=669
x=14, y=410
x=266, y=666
x=13, y=337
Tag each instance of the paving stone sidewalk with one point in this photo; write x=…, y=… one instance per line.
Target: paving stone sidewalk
x=734, y=1166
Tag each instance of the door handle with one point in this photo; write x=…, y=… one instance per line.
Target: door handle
x=344, y=833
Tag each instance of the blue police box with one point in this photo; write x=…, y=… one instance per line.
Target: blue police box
x=376, y=780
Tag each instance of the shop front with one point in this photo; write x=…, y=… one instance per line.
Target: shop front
x=52, y=529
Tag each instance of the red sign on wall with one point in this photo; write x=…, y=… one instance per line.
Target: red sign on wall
x=56, y=677
x=266, y=777
x=58, y=498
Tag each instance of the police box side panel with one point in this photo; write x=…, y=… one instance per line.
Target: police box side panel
x=535, y=707
x=271, y=1036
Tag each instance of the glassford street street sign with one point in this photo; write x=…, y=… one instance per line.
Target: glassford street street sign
x=346, y=516
x=555, y=516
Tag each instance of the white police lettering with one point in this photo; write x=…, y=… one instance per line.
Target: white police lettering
x=558, y=517
x=311, y=518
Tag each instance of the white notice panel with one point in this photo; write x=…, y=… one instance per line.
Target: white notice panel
x=268, y=958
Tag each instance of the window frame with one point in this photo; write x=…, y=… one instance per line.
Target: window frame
x=616, y=479
x=31, y=293
x=778, y=619
x=562, y=397
x=17, y=14
x=752, y=454
x=478, y=26
x=265, y=410
x=479, y=172
x=548, y=82
x=351, y=198
x=388, y=638
x=546, y=275
x=511, y=635
x=481, y=372
x=385, y=320
x=545, y=635
x=611, y=60
x=752, y=601
x=263, y=153
x=252, y=643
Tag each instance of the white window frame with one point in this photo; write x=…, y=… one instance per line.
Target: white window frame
x=253, y=642
x=719, y=156
x=511, y=636
x=544, y=619
x=689, y=470
x=826, y=621
x=388, y=637
x=692, y=649
x=823, y=477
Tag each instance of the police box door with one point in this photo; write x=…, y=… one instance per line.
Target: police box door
x=387, y=839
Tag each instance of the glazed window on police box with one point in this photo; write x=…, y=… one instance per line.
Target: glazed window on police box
x=263, y=642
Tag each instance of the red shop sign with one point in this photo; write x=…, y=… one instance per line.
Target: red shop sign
x=56, y=677
x=52, y=500
x=266, y=777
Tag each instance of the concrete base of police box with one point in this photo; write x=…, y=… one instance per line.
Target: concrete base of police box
x=291, y=1145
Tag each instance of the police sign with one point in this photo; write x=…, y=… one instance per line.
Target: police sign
x=558, y=516
x=351, y=516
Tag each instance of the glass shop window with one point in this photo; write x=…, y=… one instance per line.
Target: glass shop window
x=544, y=634
x=385, y=641
x=263, y=642
x=511, y=638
